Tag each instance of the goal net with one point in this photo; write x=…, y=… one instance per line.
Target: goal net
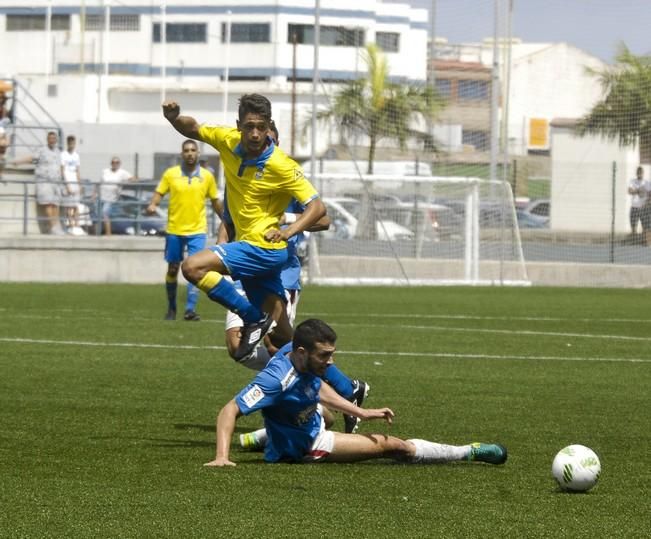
x=416, y=230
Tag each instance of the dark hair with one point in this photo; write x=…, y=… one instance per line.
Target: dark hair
x=70, y=137
x=52, y=133
x=189, y=141
x=274, y=130
x=312, y=331
x=256, y=103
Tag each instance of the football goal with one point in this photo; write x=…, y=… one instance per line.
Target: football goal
x=416, y=230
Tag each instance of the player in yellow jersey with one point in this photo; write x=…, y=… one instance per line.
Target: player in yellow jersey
x=189, y=186
x=261, y=180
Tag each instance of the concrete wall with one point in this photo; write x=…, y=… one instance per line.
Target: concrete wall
x=582, y=182
x=140, y=261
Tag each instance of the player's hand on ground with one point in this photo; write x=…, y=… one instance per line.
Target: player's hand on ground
x=171, y=110
x=379, y=413
x=219, y=462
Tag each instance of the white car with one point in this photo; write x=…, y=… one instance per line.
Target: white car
x=344, y=212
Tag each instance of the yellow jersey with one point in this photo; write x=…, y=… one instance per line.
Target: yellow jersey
x=186, y=214
x=258, y=190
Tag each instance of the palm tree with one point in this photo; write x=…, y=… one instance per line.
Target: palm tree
x=625, y=111
x=380, y=109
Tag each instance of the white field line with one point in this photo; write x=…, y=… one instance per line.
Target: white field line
x=371, y=353
x=521, y=332
x=51, y=315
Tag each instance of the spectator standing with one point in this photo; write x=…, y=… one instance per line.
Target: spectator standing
x=47, y=175
x=70, y=170
x=638, y=190
x=109, y=189
x=6, y=118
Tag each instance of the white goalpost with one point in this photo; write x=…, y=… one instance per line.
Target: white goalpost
x=416, y=230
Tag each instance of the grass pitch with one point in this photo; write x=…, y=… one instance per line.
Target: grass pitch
x=108, y=415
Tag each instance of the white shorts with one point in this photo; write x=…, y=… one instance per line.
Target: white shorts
x=322, y=445
x=292, y=297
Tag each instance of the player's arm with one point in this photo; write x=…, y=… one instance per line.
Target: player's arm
x=225, y=233
x=186, y=125
x=322, y=224
x=333, y=401
x=314, y=211
x=154, y=203
x=225, y=427
x=217, y=207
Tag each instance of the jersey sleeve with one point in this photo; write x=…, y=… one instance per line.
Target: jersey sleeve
x=262, y=392
x=163, y=186
x=215, y=135
x=212, y=184
x=302, y=190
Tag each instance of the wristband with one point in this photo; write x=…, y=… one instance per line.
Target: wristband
x=290, y=218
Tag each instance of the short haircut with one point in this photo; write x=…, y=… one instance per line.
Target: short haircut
x=189, y=141
x=70, y=138
x=274, y=130
x=255, y=103
x=52, y=133
x=312, y=331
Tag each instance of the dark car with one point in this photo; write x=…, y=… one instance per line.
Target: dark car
x=127, y=217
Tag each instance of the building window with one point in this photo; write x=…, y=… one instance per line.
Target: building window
x=181, y=32
x=478, y=139
x=336, y=36
x=472, y=90
x=248, y=33
x=444, y=87
x=118, y=23
x=22, y=23
x=388, y=41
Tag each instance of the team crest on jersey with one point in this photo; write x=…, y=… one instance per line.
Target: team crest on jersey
x=253, y=396
x=259, y=174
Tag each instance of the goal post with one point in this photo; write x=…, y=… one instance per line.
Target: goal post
x=416, y=230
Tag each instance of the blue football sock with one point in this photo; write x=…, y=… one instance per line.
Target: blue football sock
x=192, y=298
x=339, y=381
x=227, y=295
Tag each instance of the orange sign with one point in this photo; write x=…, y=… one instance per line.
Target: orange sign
x=538, y=133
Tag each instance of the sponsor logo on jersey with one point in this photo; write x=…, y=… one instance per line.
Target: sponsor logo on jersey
x=253, y=396
x=288, y=379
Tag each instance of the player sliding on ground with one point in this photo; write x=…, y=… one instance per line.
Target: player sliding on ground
x=261, y=180
x=288, y=391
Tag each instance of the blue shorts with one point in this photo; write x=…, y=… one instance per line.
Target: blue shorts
x=258, y=269
x=175, y=245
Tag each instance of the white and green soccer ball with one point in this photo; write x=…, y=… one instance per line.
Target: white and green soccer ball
x=576, y=468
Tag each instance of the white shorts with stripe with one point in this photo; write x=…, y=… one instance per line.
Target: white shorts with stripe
x=322, y=445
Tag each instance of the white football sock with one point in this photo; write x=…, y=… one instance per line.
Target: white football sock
x=261, y=436
x=427, y=452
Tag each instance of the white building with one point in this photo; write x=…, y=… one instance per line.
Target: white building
x=101, y=78
x=538, y=82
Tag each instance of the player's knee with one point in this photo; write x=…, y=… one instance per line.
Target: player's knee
x=191, y=271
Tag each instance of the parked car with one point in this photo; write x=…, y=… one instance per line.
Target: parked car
x=127, y=217
x=344, y=214
x=529, y=220
x=539, y=207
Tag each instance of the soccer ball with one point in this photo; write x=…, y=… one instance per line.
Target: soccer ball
x=576, y=468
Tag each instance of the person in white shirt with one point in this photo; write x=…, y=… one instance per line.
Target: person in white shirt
x=109, y=189
x=70, y=166
x=639, y=194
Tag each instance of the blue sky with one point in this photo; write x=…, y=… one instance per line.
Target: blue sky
x=595, y=26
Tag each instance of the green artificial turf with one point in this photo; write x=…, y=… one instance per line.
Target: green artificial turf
x=108, y=415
